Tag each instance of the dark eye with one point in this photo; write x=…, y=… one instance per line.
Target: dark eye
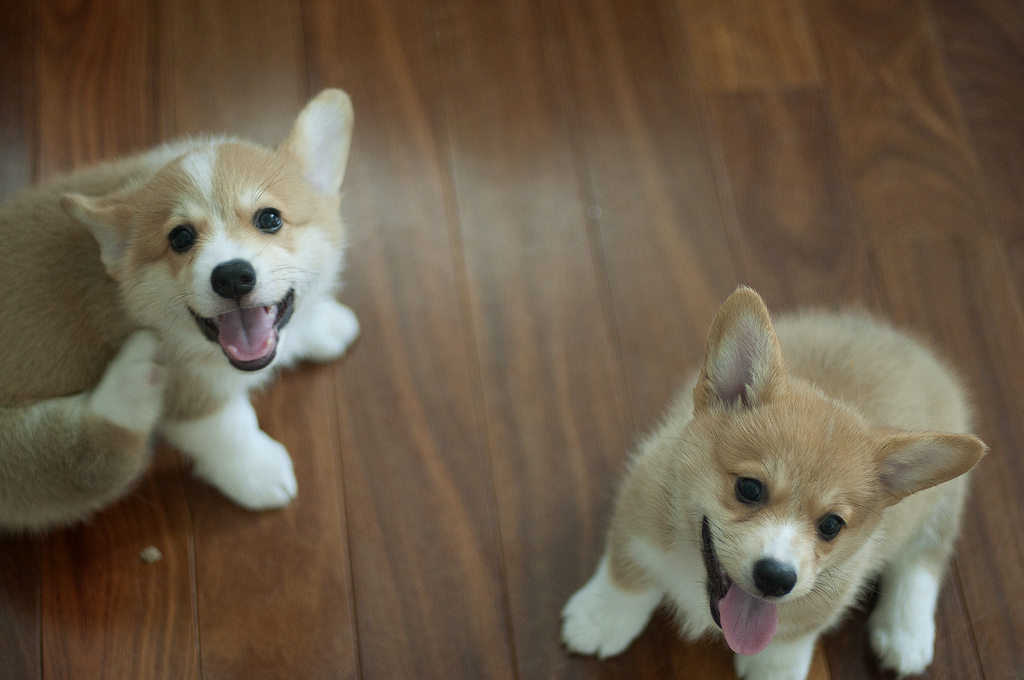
x=831, y=526
x=182, y=237
x=267, y=220
x=748, y=490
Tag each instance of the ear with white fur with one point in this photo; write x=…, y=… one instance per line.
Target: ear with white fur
x=107, y=218
x=913, y=461
x=321, y=138
x=743, y=366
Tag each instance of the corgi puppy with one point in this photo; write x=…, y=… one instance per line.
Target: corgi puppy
x=149, y=296
x=805, y=459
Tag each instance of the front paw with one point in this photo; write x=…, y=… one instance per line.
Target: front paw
x=331, y=328
x=131, y=393
x=903, y=644
x=260, y=478
x=603, y=619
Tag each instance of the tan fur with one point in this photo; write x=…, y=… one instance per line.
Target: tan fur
x=832, y=413
x=89, y=262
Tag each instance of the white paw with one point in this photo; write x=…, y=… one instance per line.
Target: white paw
x=603, y=619
x=258, y=478
x=903, y=644
x=778, y=661
x=131, y=392
x=327, y=332
x=902, y=626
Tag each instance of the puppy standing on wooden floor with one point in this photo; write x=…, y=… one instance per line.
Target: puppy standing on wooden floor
x=808, y=458
x=150, y=295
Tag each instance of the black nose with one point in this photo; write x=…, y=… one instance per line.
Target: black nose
x=233, y=279
x=773, y=578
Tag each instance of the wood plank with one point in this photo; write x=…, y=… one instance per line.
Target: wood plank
x=274, y=589
x=652, y=198
x=97, y=81
x=17, y=82
x=750, y=44
x=983, y=46
x=796, y=227
x=106, y=612
x=899, y=127
x=248, y=77
x=425, y=548
x=96, y=84
x=551, y=384
x=19, y=556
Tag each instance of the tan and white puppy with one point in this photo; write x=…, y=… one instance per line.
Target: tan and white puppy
x=149, y=296
x=806, y=459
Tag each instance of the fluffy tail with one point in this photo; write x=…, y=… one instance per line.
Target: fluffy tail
x=63, y=459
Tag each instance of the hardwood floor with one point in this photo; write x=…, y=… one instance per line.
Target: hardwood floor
x=548, y=200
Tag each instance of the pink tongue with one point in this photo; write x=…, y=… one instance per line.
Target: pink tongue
x=748, y=622
x=247, y=334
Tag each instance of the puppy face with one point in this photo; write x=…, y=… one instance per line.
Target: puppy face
x=226, y=240
x=792, y=492
x=221, y=243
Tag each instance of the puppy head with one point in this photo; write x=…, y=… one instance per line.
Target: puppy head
x=221, y=243
x=790, y=482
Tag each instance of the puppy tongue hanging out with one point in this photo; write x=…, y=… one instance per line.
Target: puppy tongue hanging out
x=748, y=622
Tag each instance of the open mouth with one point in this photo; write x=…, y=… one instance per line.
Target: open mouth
x=748, y=622
x=248, y=335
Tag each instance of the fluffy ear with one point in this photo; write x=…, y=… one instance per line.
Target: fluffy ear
x=320, y=139
x=743, y=366
x=107, y=218
x=913, y=461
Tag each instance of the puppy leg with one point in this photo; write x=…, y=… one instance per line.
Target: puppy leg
x=130, y=395
x=789, y=660
x=606, y=615
x=232, y=453
x=902, y=626
x=321, y=332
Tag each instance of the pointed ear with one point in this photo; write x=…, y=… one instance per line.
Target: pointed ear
x=743, y=366
x=320, y=140
x=913, y=461
x=107, y=218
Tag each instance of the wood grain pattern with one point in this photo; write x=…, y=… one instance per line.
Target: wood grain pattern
x=900, y=141
x=106, y=612
x=274, y=590
x=231, y=67
x=555, y=420
x=983, y=46
x=425, y=551
x=797, y=231
x=17, y=82
x=648, y=184
x=97, y=81
x=750, y=44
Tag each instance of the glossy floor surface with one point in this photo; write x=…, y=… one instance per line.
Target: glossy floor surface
x=548, y=201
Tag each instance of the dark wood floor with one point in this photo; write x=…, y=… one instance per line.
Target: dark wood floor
x=548, y=201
